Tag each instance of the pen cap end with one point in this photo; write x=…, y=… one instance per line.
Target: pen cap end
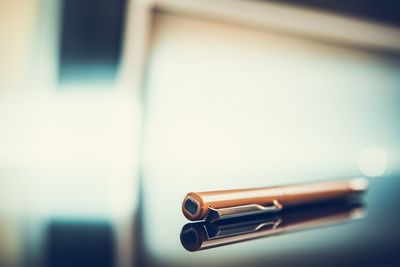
x=192, y=207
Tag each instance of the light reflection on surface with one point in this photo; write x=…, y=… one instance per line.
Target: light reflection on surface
x=203, y=235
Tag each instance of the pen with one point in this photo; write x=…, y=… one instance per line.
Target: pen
x=216, y=205
x=204, y=235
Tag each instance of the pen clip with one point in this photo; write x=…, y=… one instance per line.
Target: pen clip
x=219, y=231
x=244, y=210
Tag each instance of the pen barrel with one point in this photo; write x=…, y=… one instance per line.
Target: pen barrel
x=291, y=195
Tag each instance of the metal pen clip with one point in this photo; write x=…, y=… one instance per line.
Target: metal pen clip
x=220, y=231
x=245, y=210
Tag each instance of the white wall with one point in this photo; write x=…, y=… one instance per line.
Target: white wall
x=232, y=107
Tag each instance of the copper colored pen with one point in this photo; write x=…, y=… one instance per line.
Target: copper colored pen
x=216, y=205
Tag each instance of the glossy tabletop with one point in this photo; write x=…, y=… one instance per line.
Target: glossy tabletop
x=331, y=234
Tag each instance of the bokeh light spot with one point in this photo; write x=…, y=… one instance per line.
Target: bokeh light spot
x=373, y=161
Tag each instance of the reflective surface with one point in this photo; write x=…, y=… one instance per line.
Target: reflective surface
x=205, y=235
x=327, y=235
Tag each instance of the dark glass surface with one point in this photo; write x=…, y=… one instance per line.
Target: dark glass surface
x=361, y=233
x=369, y=237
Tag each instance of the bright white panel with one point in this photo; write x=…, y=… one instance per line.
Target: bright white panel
x=230, y=107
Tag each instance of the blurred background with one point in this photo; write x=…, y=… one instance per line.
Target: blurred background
x=110, y=111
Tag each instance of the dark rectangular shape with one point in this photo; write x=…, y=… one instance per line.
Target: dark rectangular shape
x=91, y=39
x=191, y=206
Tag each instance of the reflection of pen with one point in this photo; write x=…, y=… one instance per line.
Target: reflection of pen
x=204, y=235
x=216, y=205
